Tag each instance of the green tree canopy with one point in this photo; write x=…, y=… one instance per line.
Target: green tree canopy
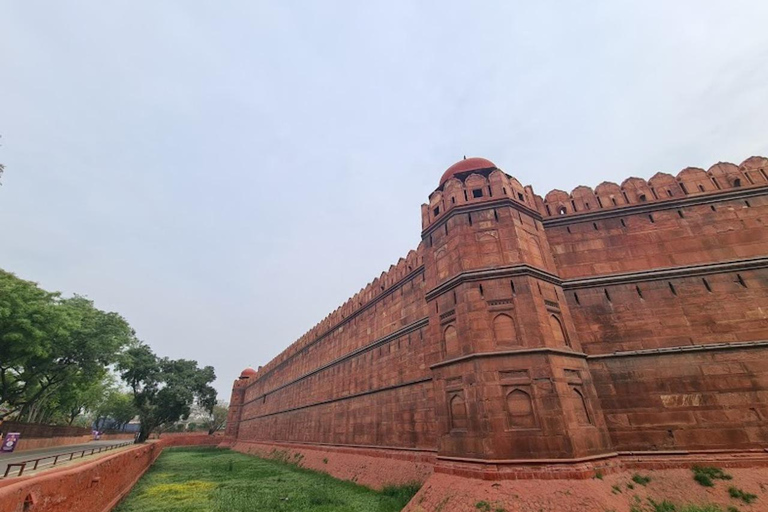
x=53, y=351
x=164, y=390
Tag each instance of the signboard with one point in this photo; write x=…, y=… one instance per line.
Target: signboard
x=9, y=443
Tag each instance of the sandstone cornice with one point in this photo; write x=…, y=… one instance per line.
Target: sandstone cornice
x=736, y=345
x=492, y=273
x=667, y=273
x=477, y=207
x=504, y=353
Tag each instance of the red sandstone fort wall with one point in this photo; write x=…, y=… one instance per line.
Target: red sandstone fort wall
x=631, y=317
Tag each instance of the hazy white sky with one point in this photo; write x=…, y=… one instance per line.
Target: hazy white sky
x=224, y=174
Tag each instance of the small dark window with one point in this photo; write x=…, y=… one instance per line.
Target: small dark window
x=669, y=193
x=706, y=285
x=538, y=285
x=650, y=217
x=568, y=228
x=672, y=288
x=737, y=182
x=599, y=202
x=712, y=207
x=607, y=295
x=594, y=225
x=624, y=224
x=481, y=291
x=548, y=211
x=562, y=210
x=512, y=285
x=436, y=211
x=465, y=195
x=495, y=216
x=717, y=185
x=469, y=215
x=490, y=192
x=747, y=203
x=701, y=188
x=586, y=205
x=626, y=199
x=576, y=298
x=639, y=291
x=680, y=213
x=453, y=200
x=642, y=198
x=478, y=192
x=749, y=178
x=520, y=196
x=655, y=195
x=454, y=296
x=740, y=280
x=682, y=186
x=613, y=200
x=504, y=189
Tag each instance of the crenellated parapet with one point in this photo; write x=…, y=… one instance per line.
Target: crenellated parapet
x=368, y=295
x=690, y=181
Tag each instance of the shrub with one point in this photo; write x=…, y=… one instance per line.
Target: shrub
x=737, y=493
x=705, y=475
x=640, y=479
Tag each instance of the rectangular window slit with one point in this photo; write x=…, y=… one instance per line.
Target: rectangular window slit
x=607, y=295
x=741, y=280
x=706, y=285
x=680, y=213
x=639, y=291
x=650, y=217
x=576, y=298
x=672, y=288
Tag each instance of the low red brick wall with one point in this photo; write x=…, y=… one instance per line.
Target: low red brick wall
x=48, y=442
x=95, y=486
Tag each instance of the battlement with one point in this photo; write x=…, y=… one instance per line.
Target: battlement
x=369, y=294
x=691, y=181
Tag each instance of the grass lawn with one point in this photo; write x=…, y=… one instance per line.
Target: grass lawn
x=206, y=479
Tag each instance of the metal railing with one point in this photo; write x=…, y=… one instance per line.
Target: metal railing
x=60, y=457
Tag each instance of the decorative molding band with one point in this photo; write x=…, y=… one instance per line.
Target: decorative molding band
x=738, y=345
x=667, y=273
x=418, y=324
x=408, y=277
x=492, y=273
x=342, y=398
x=653, y=206
x=477, y=207
x=502, y=353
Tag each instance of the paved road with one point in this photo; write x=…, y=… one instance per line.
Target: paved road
x=10, y=458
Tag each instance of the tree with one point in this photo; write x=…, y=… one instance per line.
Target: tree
x=54, y=352
x=218, y=417
x=164, y=390
x=118, y=406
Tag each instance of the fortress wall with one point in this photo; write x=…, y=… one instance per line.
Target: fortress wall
x=715, y=399
x=632, y=241
x=684, y=278
x=360, y=377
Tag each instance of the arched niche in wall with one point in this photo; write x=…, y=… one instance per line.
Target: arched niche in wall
x=458, y=412
x=520, y=409
x=558, y=330
x=504, y=331
x=580, y=407
x=451, y=341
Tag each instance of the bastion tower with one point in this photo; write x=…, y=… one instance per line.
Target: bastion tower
x=511, y=383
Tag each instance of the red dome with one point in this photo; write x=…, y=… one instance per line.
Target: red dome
x=466, y=165
x=247, y=373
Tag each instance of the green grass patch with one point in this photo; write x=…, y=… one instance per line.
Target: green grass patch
x=705, y=475
x=203, y=479
x=640, y=479
x=737, y=493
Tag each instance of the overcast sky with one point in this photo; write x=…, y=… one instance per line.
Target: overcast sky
x=224, y=174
